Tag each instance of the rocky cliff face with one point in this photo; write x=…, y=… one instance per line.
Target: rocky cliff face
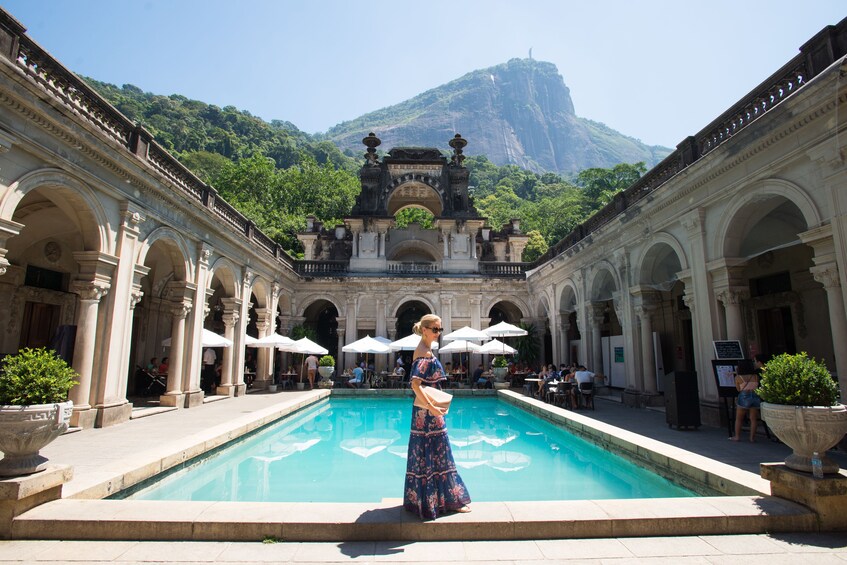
x=517, y=113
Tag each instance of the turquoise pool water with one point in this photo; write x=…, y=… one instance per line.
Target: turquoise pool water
x=354, y=450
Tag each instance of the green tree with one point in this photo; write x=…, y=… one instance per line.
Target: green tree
x=415, y=215
x=601, y=185
x=535, y=247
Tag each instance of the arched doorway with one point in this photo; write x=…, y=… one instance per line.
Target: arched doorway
x=321, y=317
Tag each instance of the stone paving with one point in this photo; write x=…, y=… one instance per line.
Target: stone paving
x=80, y=450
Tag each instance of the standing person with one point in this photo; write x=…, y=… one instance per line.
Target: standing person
x=746, y=382
x=208, y=375
x=311, y=369
x=433, y=486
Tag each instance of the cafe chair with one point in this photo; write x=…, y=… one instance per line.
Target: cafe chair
x=563, y=394
x=586, y=392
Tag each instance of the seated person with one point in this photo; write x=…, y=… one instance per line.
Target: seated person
x=399, y=370
x=358, y=379
x=153, y=365
x=163, y=366
x=478, y=380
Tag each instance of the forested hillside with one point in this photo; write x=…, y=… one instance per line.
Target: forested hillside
x=276, y=175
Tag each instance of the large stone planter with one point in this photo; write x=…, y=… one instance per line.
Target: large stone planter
x=326, y=372
x=806, y=429
x=24, y=430
x=499, y=373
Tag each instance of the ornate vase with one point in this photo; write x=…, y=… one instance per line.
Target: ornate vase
x=499, y=373
x=326, y=372
x=24, y=430
x=806, y=429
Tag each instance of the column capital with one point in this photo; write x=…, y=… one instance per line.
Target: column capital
x=204, y=253
x=732, y=296
x=597, y=312
x=135, y=297
x=89, y=290
x=827, y=275
x=180, y=309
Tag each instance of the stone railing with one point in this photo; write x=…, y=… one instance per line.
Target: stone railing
x=84, y=102
x=322, y=268
x=815, y=55
x=503, y=269
x=413, y=268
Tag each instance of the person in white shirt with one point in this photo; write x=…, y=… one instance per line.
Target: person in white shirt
x=209, y=376
x=311, y=369
x=583, y=375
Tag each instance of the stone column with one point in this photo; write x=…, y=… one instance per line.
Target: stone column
x=597, y=313
x=476, y=311
x=380, y=360
x=110, y=388
x=90, y=294
x=827, y=275
x=8, y=229
x=351, y=330
x=565, y=346
x=644, y=311
x=264, y=355
x=174, y=395
x=194, y=329
x=230, y=317
x=340, y=343
x=732, y=299
x=446, y=313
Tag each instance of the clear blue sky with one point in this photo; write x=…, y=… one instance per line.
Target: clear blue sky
x=655, y=70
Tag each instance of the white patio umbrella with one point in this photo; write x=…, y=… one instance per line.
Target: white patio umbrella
x=383, y=340
x=409, y=343
x=209, y=339
x=505, y=329
x=250, y=341
x=304, y=346
x=496, y=347
x=467, y=333
x=367, y=345
x=273, y=340
x=460, y=346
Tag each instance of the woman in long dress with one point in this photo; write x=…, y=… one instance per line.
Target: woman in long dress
x=433, y=486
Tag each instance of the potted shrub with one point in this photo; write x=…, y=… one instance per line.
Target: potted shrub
x=501, y=367
x=34, y=408
x=326, y=366
x=800, y=405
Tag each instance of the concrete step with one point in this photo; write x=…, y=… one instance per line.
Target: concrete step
x=74, y=519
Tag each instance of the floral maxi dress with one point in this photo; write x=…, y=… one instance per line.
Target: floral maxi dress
x=433, y=486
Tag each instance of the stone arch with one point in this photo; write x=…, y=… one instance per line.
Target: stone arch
x=261, y=289
x=603, y=283
x=399, y=302
x=225, y=271
x=514, y=309
x=317, y=297
x=73, y=197
x=753, y=204
x=410, y=250
x=176, y=245
x=569, y=297
x=661, y=263
x=414, y=189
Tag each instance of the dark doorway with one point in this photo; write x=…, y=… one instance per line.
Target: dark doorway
x=777, y=330
x=39, y=324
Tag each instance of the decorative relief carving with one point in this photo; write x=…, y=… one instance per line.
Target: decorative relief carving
x=90, y=291
x=52, y=251
x=181, y=310
x=827, y=275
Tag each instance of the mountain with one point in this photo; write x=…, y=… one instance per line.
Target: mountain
x=518, y=113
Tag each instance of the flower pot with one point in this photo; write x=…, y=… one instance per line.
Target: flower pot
x=806, y=429
x=326, y=372
x=499, y=373
x=24, y=430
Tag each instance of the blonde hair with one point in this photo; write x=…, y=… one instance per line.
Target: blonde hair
x=425, y=322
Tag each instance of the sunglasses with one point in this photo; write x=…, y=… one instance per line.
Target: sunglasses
x=436, y=330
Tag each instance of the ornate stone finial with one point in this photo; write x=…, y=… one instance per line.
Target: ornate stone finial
x=458, y=143
x=372, y=142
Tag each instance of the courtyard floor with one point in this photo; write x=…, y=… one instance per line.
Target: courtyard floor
x=95, y=453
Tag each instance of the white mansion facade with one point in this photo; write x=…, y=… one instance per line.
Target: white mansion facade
x=741, y=233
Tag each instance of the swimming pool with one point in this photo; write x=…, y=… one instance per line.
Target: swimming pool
x=354, y=450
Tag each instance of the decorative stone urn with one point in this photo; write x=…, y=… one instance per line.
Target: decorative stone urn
x=499, y=373
x=24, y=430
x=806, y=429
x=326, y=372
x=325, y=383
